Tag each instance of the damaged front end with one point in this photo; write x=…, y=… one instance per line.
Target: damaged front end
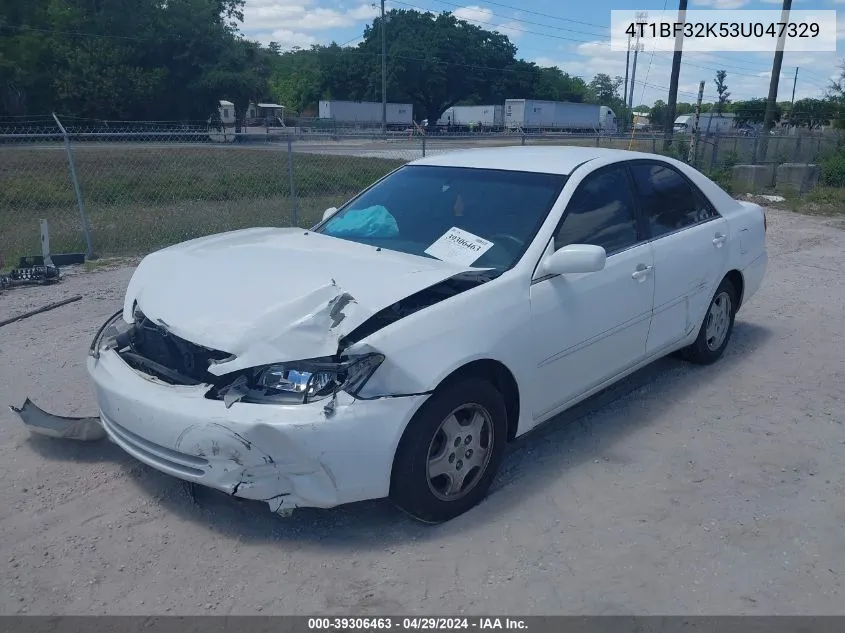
x=151, y=349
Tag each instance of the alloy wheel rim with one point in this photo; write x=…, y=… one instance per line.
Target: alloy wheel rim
x=718, y=321
x=459, y=452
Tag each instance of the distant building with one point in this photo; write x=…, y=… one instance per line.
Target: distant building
x=271, y=114
x=265, y=114
x=227, y=112
x=642, y=121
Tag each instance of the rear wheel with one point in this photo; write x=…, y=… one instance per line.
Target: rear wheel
x=450, y=451
x=717, y=327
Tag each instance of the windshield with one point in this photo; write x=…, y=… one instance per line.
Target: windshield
x=483, y=218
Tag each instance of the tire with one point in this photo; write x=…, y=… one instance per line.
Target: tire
x=704, y=350
x=429, y=436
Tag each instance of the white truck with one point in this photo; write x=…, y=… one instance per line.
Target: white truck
x=476, y=115
x=531, y=114
x=708, y=123
x=366, y=113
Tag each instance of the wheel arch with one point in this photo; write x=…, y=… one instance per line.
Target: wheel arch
x=738, y=282
x=501, y=378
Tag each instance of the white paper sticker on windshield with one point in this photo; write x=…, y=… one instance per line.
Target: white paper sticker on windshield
x=459, y=247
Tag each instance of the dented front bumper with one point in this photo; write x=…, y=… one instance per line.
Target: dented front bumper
x=288, y=455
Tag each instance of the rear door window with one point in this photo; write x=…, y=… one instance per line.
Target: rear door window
x=669, y=202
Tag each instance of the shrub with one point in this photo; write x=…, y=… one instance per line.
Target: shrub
x=833, y=170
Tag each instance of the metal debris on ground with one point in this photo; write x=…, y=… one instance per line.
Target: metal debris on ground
x=35, y=275
x=49, y=306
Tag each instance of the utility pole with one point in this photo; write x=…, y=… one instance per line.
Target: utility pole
x=771, y=103
x=792, y=101
x=641, y=17
x=637, y=49
x=625, y=94
x=672, y=102
x=693, y=146
x=383, y=73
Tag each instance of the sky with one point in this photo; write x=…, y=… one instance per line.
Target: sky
x=573, y=35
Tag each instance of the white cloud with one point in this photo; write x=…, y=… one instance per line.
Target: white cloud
x=510, y=29
x=474, y=13
x=364, y=12
x=262, y=17
x=289, y=39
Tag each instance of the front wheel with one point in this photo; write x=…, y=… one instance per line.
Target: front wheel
x=450, y=451
x=717, y=327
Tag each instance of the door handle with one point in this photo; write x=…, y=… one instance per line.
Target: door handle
x=719, y=240
x=641, y=272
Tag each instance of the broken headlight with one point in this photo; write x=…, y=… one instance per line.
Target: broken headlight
x=301, y=382
x=113, y=334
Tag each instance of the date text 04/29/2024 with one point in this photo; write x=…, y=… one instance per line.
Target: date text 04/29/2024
x=415, y=624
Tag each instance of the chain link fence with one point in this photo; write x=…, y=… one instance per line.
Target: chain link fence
x=126, y=189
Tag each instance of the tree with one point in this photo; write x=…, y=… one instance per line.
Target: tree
x=124, y=59
x=657, y=114
x=433, y=61
x=296, y=79
x=684, y=108
x=555, y=85
x=605, y=91
x=752, y=111
x=812, y=112
x=721, y=91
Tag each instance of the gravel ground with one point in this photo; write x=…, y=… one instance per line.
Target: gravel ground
x=682, y=490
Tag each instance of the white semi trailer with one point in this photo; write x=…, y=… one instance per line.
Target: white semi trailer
x=366, y=112
x=483, y=115
x=531, y=114
x=708, y=123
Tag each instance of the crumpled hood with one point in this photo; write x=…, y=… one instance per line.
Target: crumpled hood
x=269, y=295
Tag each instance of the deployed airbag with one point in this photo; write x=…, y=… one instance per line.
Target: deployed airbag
x=375, y=221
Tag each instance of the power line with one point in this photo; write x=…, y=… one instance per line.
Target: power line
x=510, y=19
x=485, y=24
x=561, y=37
x=651, y=59
x=546, y=15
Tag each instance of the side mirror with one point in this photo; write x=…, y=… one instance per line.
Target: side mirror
x=575, y=258
x=329, y=213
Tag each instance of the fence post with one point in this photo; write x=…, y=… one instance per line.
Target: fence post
x=423, y=145
x=523, y=138
x=754, y=151
x=796, y=150
x=293, y=213
x=653, y=144
x=714, y=154
x=86, y=227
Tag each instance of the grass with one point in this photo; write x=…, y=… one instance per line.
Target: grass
x=142, y=199
x=824, y=201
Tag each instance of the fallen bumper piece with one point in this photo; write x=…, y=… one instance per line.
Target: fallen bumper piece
x=40, y=422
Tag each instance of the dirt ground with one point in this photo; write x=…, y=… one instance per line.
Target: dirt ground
x=682, y=490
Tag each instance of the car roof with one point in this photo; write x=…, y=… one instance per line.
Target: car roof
x=544, y=159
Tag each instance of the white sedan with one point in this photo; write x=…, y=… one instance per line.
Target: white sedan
x=395, y=349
